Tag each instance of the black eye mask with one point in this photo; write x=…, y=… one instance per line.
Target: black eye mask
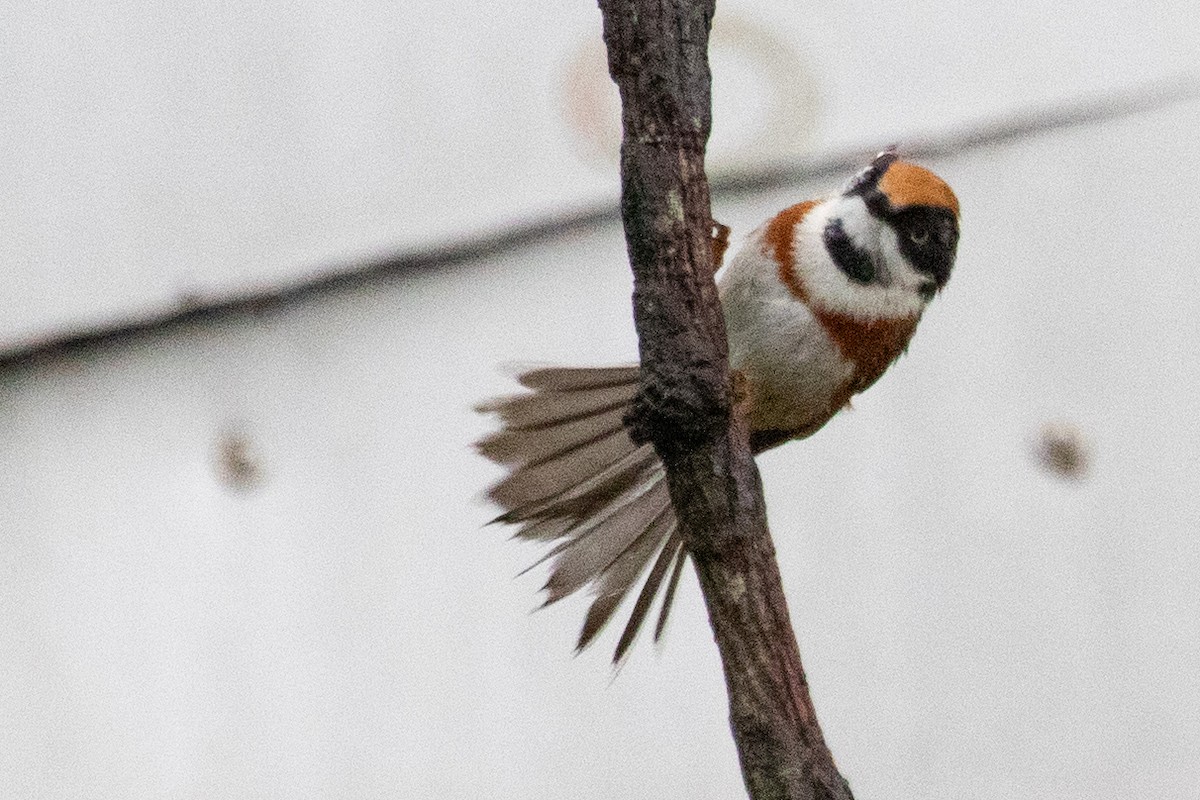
x=928, y=238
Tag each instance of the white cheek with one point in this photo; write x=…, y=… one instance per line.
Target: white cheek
x=862, y=228
x=895, y=293
x=889, y=253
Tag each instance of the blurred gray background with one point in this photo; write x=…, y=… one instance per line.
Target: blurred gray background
x=261, y=261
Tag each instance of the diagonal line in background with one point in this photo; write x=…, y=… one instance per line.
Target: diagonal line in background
x=1086, y=110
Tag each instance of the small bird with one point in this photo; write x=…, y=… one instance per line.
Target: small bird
x=818, y=303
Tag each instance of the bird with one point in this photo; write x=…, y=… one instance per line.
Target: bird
x=818, y=302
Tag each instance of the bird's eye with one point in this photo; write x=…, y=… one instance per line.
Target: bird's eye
x=918, y=236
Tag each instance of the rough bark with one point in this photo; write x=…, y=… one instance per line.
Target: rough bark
x=657, y=52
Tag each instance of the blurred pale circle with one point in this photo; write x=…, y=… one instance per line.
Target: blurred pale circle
x=765, y=99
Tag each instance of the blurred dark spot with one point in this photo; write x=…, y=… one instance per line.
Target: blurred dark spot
x=1062, y=450
x=238, y=465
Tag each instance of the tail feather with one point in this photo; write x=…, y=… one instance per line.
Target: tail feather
x=646, y=596
x=594, y=492
x=568, y=379
x=619, y=577
x=547, y=408
x=578, y=554
x=669, y=595
x=577, y=481
x=545, y=479
x=542, y=529
x=598, y=542
x=539, y=445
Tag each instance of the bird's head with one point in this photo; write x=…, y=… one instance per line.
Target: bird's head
x=892, y=233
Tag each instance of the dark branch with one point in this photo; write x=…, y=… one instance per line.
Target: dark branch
x=686, y=405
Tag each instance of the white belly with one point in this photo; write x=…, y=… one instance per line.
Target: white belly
x=795, y=372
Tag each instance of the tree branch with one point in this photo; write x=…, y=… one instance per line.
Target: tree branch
x=657, y=51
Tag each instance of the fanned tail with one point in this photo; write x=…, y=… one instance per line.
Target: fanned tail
x=577, y=480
